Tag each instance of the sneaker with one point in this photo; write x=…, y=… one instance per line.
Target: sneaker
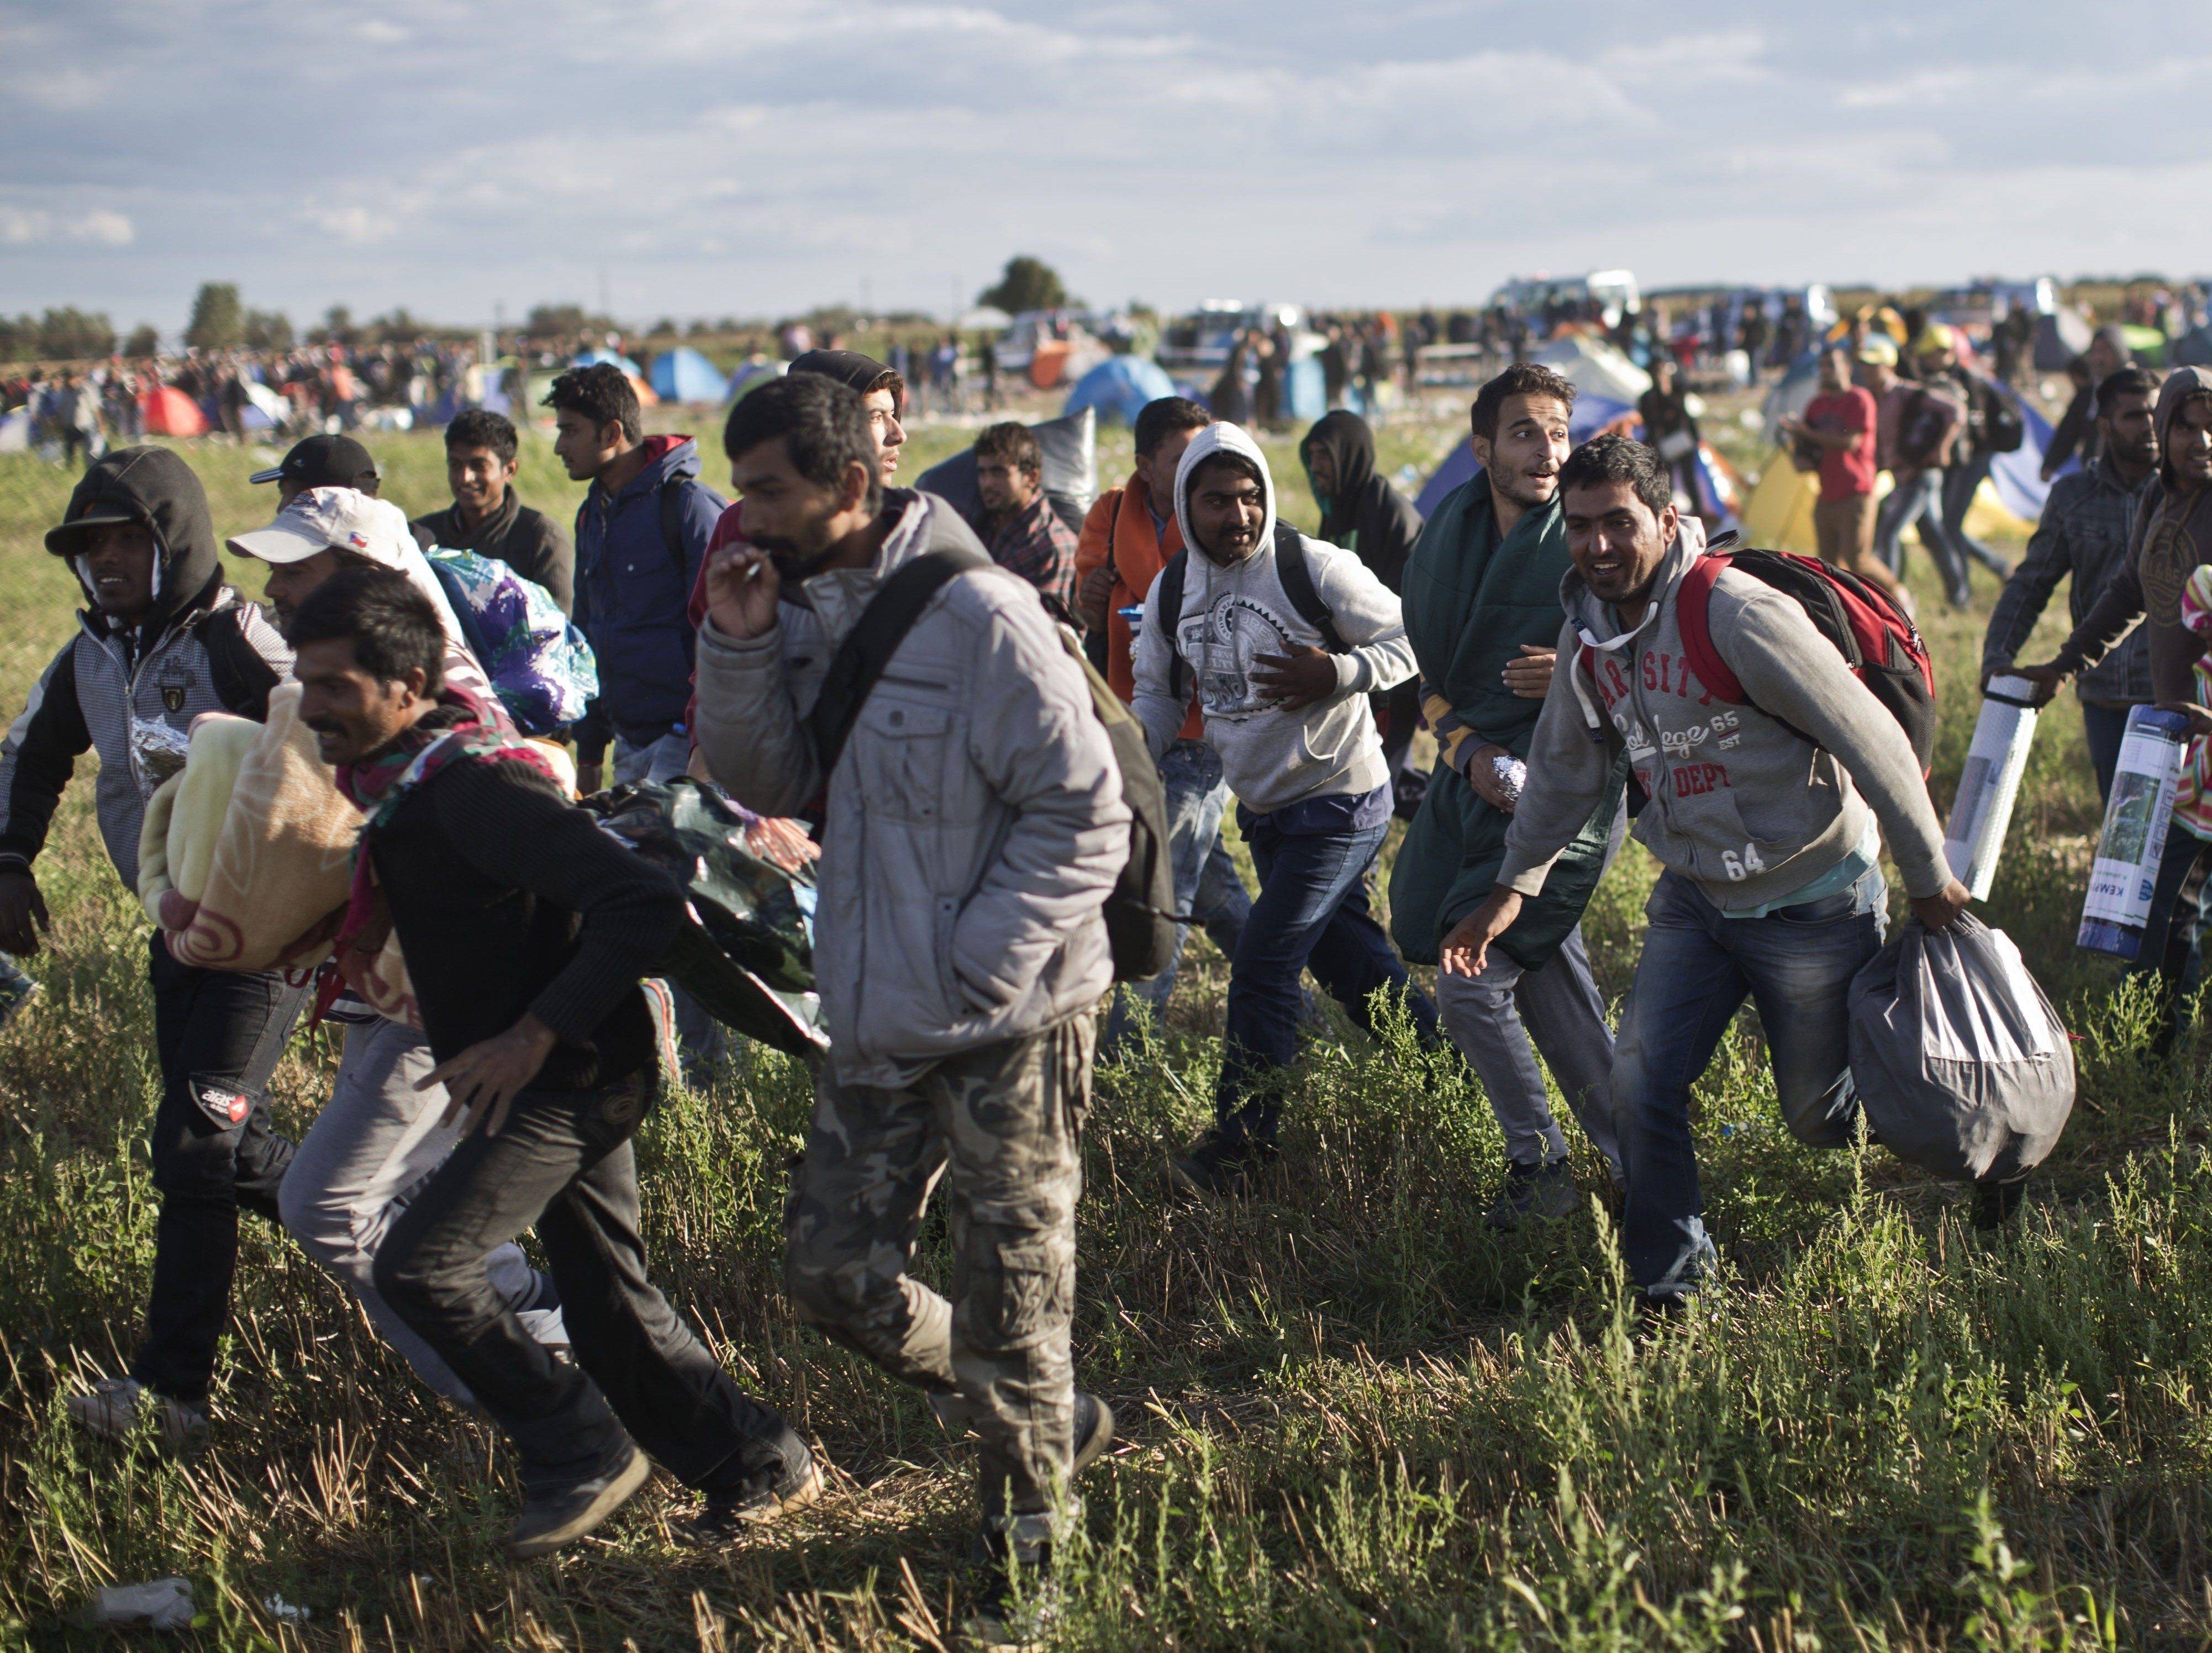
x=724, y=1516
x=1543, y=1193
x=1219, y=1167
x=563, y=1515
x=1094, y=1431
x=114, y=1407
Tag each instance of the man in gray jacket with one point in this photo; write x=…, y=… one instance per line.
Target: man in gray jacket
x=972, y=827
x=1763, y=814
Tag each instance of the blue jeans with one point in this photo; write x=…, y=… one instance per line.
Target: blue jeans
x=2103, y=728
x=1918, y=498
x=1206, y=886
x=1311, y=913
x=1961, y=483
x=2174, y=931
x=1797, y=963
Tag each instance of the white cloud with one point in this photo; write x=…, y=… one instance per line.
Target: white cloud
x=36, y=227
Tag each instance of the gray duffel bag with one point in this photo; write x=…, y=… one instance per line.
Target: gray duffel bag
x=1961, y=1063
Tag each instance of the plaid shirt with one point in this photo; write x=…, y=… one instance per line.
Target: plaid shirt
x=1037, y=545
x=2084, y=532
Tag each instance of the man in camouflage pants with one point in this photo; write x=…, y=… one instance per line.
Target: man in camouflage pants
x=972, y=827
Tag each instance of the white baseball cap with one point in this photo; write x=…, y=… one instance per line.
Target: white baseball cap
x=332, y=518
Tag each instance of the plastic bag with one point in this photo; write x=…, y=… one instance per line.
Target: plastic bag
x=1961, y=1063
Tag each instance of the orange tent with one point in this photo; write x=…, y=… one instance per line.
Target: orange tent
x=1048, y=365
x=170, y=412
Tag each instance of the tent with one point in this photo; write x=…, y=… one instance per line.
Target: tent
x=16, y=431
x=2017, y=478
x=2059, y=338
x=683, y=375
x=1592, y=415
x=751, y=375
x=265, y=409
x=592, y=358
x=1305, y=388
x=2192, y=348
x=1069, y=448
x=170, y=412
x=1594, y=367
x=1119, y=387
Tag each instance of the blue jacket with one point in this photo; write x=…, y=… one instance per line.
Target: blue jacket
x=632, y=586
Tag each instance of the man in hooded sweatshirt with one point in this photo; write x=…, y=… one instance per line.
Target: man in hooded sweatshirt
x=1280, y=638
x=1763, y=814
x=1482, y=610
x=1362, y=512
x=162, y=640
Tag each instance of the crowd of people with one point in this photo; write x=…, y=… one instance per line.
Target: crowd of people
x=911, y=683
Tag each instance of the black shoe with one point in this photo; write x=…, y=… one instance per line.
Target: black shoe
x=728, y=1516
x=1219, y=1166
x=563, y=1515
x=1543, y=1193
x=1995, y=1203
x=1017, y=1605
x=1094, y=1431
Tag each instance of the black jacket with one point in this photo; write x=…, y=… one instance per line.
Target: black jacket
x=529, y=541
x=1365, y=515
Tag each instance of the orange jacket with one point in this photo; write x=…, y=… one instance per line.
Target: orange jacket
x=1119, y=530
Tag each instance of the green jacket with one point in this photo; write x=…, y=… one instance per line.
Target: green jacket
x=1470, y=601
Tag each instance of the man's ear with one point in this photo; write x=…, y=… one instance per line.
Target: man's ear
x=415, y=681
x=854, y=493
x=1482, y=449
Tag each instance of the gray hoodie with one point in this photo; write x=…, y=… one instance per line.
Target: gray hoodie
x=1230, y=615
x=1740, y=802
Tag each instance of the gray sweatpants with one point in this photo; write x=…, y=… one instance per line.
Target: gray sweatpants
x=375, y=1140
x=1493, y=1017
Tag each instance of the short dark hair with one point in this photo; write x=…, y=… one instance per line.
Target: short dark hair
x=393, y=627
x=1232, y=460
x=824, y=426
x=1521, y=379
x=1616, y=458
x=1011, y=440
x=1158, y=419
x=602, y=393
x=2129, y=381
x=480, y=427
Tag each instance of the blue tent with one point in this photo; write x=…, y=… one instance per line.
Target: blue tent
x=1119, y=387
x=592, y=358
x=1592, y=413
x=683, y=375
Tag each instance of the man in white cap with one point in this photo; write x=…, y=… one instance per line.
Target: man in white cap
x=379, y=1136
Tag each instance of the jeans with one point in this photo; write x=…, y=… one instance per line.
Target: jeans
x=1001, y=1125
x=706, y=1042
x=1960, y=484
x=2104, y=727
x=1207, y=884
x=1917, y=499
x=2174, y=928
x=562, y=1162
x=1493, y=1017
x=218, y=1035
x=1797, y=963
x=376, y=1138
x=1311, y=911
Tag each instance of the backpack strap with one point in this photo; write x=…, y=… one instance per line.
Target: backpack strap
x=874, y=638
x=670, y=503
x=1167, y=615
x=1296, y=573
x=1692, y=600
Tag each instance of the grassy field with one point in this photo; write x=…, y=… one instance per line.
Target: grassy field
x=1354, y=1417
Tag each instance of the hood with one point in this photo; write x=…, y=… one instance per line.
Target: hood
x=1219, y=438
x=1350, y=443
x=666, y=458
x=155, y=486
x=858, y=374
x=1593, y=619
x=2181, y=384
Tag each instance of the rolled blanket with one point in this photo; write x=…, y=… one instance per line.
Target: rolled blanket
x=245, y=860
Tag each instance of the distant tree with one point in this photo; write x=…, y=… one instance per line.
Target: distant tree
x=700, y=328
x=337, y=324
x=218, y=320
x=547, y=321
x=19, y=338
x=399, y=328
x=145, y=340
x=665, y=328
x=70, y=334
x=268, y=329
x=1026, y=283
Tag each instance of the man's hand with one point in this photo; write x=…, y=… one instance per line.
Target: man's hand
x=2048, y=679
x=1093, y=596
x=1940, y=908
x=1482, y=775
x=2200, y=717
x=742, y=589
x=1303, y=677
x=23, y=914
x=1467, y=949
x=1530, y=676
x=483, y=1078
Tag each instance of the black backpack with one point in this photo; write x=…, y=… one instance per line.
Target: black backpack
x=2004, y=429
x=1140, y=915
x=1291, y=568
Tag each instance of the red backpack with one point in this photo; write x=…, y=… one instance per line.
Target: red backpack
x=1878, y=642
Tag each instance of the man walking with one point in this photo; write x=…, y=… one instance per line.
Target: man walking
x=2083, y=537
x=1127, y=538
x=526, y=929
x=488, y=516
x=1839, y=423
x=1763, y=816
x=1923, y=423
x=161, y=641
x=1017, y=525
x=1936, y=351
x=972, y=825
x=1280, y=638
x=1482, y=612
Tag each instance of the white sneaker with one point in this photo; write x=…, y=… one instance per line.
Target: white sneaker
x=113, y=1408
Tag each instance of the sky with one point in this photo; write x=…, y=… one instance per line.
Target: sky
x=467, y=159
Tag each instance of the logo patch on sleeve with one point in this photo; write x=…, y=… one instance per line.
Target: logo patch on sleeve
x=222, y=1101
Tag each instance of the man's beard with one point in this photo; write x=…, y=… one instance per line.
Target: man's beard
x=793, y=561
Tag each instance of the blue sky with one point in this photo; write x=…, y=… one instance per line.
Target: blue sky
x=724, y=157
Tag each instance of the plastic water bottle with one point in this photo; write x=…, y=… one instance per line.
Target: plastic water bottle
x=2125, y=871
x=1990, y=783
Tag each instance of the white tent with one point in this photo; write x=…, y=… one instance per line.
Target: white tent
x=1594, y=367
